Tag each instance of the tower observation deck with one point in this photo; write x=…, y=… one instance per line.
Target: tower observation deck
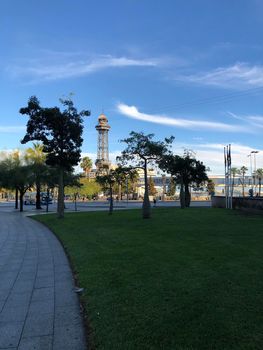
x=102, y=161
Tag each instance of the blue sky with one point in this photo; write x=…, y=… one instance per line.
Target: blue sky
x=192, y=69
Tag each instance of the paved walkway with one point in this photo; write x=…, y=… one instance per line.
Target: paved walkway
x=38, y=306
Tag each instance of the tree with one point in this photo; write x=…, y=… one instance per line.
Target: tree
x=107, y=182
x=152, y=189
x=60, y=132
x=141, y=150
x=86, y=165
x=73, y=186
x=259, y=175
x=171, y=187
x=210, y=187
x=120, y=176
x=16, y=174
x=89, y=188
x=36, y=157
x=124, y=174
x=234, y=172
x=243, y=171
x=185, y=171
x=133, y=181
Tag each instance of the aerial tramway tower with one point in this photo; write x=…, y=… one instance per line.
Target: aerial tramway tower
x=102, y=161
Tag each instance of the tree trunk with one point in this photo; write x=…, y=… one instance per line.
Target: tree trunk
x=47, y=200
x=75, y=201
x=182, y=196
x=243, y=186
x=60, y=207
x=16, y=199
x=187, y=196
x=146, y=207
x=259, y=180
x=111, y=201
x=119, y=192
x=21, y=200
x=38, y=199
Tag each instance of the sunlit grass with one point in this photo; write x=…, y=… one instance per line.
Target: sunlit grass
x=185, y=279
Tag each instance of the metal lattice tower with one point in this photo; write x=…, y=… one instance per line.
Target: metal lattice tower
x=103, y=128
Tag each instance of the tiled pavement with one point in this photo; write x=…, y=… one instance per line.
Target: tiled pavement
x=38, y=306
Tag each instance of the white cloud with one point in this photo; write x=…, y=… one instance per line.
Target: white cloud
x=12, y=129
x=133, y=112
x=46, y=70
x=255, y=121
x=212, y=155
x=237, y=76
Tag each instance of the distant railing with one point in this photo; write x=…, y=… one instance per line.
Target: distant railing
x=249, y=203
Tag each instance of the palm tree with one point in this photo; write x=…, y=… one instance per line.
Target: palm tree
x=36, y=157
x=234, y=172
x=259, y=175
x=120, y=174
x=243, y=171
x=134, y=177
x=86, y=165
x=16, y=174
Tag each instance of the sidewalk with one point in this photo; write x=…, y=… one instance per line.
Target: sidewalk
x=38, y=306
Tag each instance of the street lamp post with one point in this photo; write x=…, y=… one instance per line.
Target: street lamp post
x=250, y=165
x=255, y=167
x=253, y=173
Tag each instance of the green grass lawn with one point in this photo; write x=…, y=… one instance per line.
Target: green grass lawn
x=185, y=279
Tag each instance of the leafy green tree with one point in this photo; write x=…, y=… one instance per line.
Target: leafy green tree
x=171, y=187
x=107, y=182
x=124, y=175
x=73, y=187
x=86, y=165
x=133, y=181
x=152, y=189
x=185, y=171
x=141, y=150
x=210, y=187
x=15, y=174
x=89, y=188
x=60, y=133
x=120, y=176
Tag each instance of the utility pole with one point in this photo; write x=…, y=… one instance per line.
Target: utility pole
x=251, y=173
x=255, y=167
x=228, y=183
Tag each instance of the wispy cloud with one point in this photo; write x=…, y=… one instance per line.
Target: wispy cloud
x=48, y=70
x=12, y=129
x=133, y=112
x=212, y=154
x=237, y=76
x=255, y=121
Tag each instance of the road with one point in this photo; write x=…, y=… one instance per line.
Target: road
x=96, y=206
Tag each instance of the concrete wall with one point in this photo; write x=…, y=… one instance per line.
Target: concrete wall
x=239, y=203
